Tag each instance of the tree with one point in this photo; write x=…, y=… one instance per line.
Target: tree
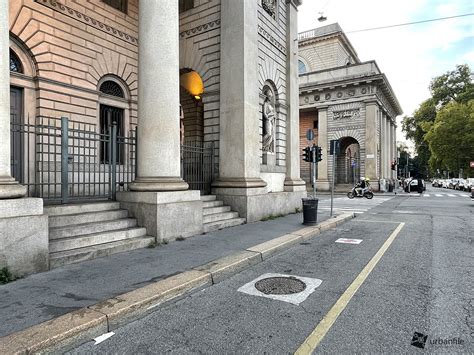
x=454, y=85
x=451, y=136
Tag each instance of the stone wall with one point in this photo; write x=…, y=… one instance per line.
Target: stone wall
x=325, y=54
x=272, y=69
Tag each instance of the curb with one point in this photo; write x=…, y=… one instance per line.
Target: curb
x=76, y=327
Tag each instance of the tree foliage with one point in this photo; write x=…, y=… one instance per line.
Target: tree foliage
x=451, y=99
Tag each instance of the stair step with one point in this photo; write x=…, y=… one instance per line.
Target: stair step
x=212, y=210
x=207, y=204
x=62, y=258
x=88, y=217
x=90, y=228
x=208, y=197
x=212, y=226
x=81, y=208
x=219, y=217
x=88, y=240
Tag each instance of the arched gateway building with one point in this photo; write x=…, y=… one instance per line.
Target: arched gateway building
x=344, y=99
x=179, y=117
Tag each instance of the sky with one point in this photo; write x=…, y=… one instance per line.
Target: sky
x=410, y=56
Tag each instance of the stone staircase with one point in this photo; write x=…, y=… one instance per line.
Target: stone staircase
x=91, y=230
x=217, y=216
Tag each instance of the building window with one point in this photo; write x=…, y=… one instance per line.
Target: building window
x=270, y=6
x=301, y=67
x=15, y=63
x=185, y=5
x=111, y=88
x=120, y=5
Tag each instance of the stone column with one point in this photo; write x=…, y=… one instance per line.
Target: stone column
x=387, y=146
x=9, y=188
x=293, y=182
x=157, y=199
x=158, y=98
x=371, y=117
x=323, y=178
x=239, y=161
x=394, y=147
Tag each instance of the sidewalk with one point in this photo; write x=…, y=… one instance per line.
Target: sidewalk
x=41, y=297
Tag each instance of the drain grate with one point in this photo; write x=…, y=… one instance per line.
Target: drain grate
x=280, y=286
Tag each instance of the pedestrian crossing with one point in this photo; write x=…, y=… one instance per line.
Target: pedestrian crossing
x=356, y=205
x=451, y=195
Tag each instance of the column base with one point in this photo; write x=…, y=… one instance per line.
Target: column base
x=254, y=204
x=158, y=184
x=323, y=185
x=292, y=185
x=166, y=215
x=10, y=188
x=239, y=183
x=24, y=244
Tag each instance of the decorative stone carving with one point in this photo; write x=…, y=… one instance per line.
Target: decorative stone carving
x=317, y=97
x=269, y=119
x=346, y=111
x=327, y=96
x=201, y=28
x=270, y=7
x=339, y=94
x=351, y=92
x=275, y=42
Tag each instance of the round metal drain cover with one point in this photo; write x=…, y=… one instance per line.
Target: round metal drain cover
x=280, y=286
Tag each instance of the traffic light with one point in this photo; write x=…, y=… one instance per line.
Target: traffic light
x=307, y=154
x=319, y=153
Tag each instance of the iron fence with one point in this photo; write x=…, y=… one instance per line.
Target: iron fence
x=62, y=160
x=197, y=165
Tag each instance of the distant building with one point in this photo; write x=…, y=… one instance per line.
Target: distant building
x=349, y=100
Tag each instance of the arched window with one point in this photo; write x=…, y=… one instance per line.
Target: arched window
x=111, y=88
x=301, y=67
x=15, y=63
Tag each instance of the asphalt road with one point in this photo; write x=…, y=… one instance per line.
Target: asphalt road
x=422, y=283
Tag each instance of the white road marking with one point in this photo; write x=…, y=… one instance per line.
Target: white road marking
x=349, y=241
x=103, y=337
x=407, y=212
x=451, y=195
x=439, y=195
x=426, y=195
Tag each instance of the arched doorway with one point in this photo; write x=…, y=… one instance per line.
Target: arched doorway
x=348, y=161
x=197, y=156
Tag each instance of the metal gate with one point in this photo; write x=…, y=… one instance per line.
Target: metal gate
x=66, y=161
x=197, y=165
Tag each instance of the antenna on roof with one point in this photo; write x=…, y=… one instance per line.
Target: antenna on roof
x=322, y=18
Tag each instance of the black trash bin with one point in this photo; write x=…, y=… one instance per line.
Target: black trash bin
x=390, y=187
x=310, y=211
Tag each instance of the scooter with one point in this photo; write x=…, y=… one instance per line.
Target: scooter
x=367, y=194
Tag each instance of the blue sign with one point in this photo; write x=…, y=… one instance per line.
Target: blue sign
x=353, y=164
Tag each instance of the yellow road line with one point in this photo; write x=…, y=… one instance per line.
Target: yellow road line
x=313, y=340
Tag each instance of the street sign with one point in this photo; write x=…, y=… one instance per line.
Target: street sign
x=335, y=146
x=309, y=135
x=471, y=164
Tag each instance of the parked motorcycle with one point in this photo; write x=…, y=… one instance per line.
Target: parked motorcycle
x=353, y=193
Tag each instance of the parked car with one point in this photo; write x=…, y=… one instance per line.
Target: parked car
x=452, y=183
x=446, y=183
x=434, y=182
x=468, y=184
x=413, y=183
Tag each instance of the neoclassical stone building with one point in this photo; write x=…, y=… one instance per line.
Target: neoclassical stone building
x=352, y=101
x=125, y=122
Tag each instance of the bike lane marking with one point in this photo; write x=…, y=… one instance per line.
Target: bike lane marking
x=317, y=335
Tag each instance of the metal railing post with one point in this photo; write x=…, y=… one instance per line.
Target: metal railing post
x=64, y=159
x=113, y=163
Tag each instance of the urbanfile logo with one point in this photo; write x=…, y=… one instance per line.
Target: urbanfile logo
x=419, y=340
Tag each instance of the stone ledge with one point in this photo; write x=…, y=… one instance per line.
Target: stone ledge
x=158, y=198
x=273, y=246
x=21, y=207
x=224, y=267
x=132, y=305
x=81, y=323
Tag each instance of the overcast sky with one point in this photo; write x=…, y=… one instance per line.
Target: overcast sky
x=410, y=56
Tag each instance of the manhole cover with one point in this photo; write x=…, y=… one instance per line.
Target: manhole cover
x=280, y=286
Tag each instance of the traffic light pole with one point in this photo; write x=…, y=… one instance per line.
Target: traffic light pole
x=313, y=165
